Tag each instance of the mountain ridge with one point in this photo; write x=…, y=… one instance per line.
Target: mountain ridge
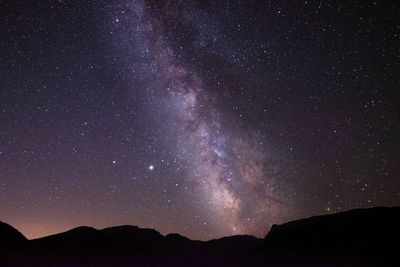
x=354, y=236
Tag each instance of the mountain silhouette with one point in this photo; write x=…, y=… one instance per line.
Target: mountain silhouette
x=362, y=236
x=355, y=237
x=10, y=238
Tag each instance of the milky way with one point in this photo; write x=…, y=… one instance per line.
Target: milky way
x=198, y=117
x=226, y=169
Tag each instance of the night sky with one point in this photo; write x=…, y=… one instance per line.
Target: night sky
x=206, y=119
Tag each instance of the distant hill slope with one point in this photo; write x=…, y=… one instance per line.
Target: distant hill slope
x=10, y=238
x=361, y=236
x=356, y=237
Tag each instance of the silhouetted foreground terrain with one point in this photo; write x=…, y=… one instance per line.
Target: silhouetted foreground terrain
x=357, y=237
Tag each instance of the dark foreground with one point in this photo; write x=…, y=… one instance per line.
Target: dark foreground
x=369, y=237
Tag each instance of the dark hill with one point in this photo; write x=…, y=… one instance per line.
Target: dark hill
x=87, y=245
x=356, y=237
x=148, y=238
x=10, y=238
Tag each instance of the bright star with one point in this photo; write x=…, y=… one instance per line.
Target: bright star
x=151, y=167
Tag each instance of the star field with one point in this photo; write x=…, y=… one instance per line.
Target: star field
x=203, y=118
